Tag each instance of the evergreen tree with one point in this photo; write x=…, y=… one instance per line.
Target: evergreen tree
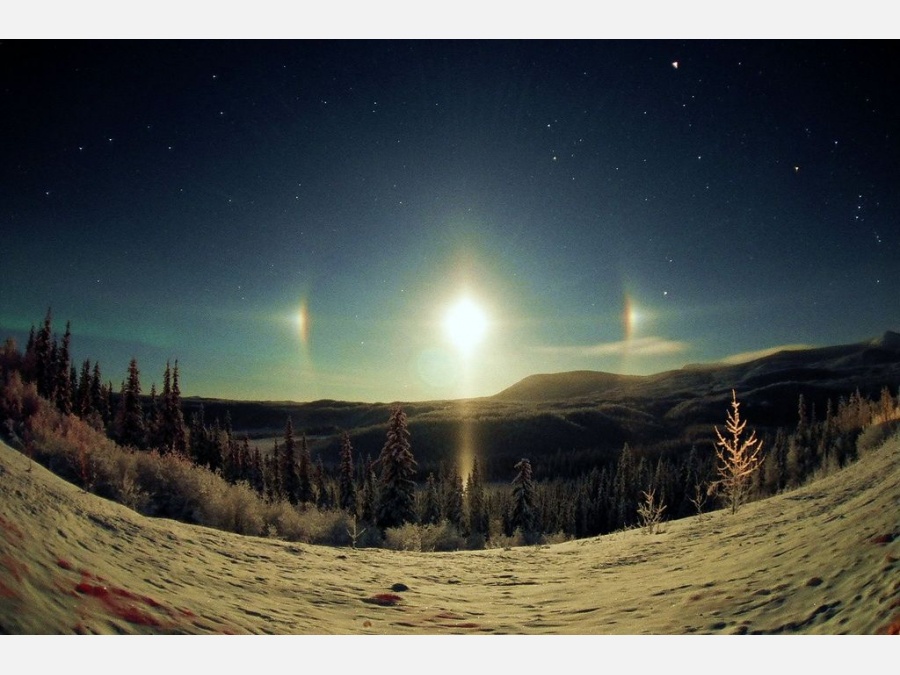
x=29, y=359
x=396, y=500
x=98, y=397
x=195, y=439
x=369, y=497
x=272, y=474
x=244, y=460
x=43, y=357
x=453, y=501
x=257, y=474
x=63, y=384
x=431, y=504
x=625, y=489
x=153, y=419
x=305, y=473
x=775, y=465
x=175, y=434
x=289, y=483
x=523, y=515
x=131, y=428
x=84, y=407
x=323, y=496
x=346, y=484
x=477, y=515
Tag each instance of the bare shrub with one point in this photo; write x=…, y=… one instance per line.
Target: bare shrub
x=738, y=458
x=650, y=512
x=235, y=508
x=406, y=537
x=875, y=435
x=305, y=525
x=441, y=537
x=699, y=499
x=327, y=527
x=282, y=520
x=555, y=538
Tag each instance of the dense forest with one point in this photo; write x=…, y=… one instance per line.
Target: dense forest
x=50, y=408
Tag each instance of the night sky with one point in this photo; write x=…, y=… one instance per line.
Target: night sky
x=291, y=220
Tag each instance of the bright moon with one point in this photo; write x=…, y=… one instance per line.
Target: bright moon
x=465, y=325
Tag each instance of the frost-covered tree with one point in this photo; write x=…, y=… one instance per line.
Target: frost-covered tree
x=737, y=458
x=396, y=499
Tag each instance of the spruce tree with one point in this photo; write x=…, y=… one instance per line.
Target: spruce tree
x=131, y=427
x=288, y=469
x=346, y=485
x=43, y=357
x=396, y=499
x=453, y=501
x=244, y=460
x=175, y=427
x=29, y=359
x=523, y=515
x=323, y=497
x=98, y=398
x=83, y=407
x=63, y=376
x=257, y=473
x=477, y=514
x=431, y=503
x=153, y=420
x=304, y=473
x=369, y=497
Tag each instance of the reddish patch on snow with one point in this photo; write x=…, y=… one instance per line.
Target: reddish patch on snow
x=116, y=601
x=11, y=530
x=384, y=599
x=7, y=592
x=447, y=615
x=893, y=628
x=122, y=602
x=16, y=568
x=884, y=538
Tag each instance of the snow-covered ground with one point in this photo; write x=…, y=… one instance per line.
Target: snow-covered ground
x=823, y=559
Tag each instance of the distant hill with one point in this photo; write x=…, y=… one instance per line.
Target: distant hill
x=580, y=419
x=866, y=364
x=565, y=386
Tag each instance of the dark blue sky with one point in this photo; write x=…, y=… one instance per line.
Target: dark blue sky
x=607, y=208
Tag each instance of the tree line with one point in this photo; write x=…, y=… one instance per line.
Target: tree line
x=388, y=491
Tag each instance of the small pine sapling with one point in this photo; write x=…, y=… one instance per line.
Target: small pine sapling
x=737, y=458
